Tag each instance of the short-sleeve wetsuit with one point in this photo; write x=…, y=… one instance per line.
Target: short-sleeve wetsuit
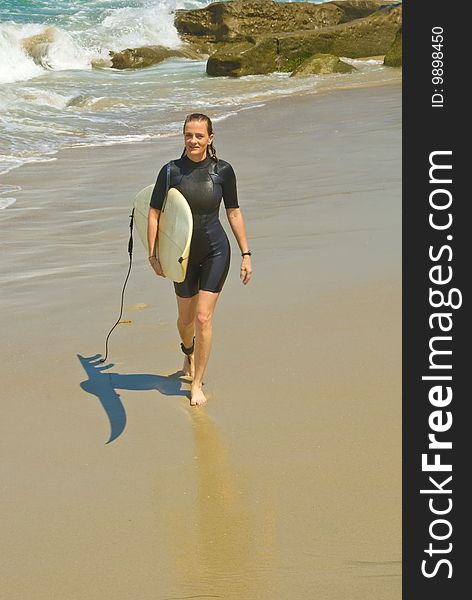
x=203, y=184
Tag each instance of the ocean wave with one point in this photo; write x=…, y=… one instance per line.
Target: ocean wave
x=132, y=28
x=8, y=163
x=8, y=189
x=16, y=64
x=29, y=50
x=78, y=42
x=44, y=97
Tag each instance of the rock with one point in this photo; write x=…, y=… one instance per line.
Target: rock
x=368, y=36
x=102, y=62
x=38, y=46
x=321, y=64
x=45, y=37
x=358, y=10
x=135, y=58
x=246, y=37
x=393, y=58
x=204, y=46
x=79, y=100
x=244, y=58
x=234, y=21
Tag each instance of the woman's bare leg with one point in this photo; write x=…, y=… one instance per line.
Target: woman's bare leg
x=186, y=325
x=203, y=336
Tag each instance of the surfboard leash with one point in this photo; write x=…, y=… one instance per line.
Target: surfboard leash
x=130, y=252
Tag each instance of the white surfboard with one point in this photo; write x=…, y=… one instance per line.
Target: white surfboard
x=175, y=230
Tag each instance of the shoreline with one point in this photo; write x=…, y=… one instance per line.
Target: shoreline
x=4, y=195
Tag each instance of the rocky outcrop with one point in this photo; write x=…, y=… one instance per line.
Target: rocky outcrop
x=247, y=37
x=244, y=58
x=234, y=21
x=393, y=58
x=369, y=36
x=322, y=64
x=133, y=58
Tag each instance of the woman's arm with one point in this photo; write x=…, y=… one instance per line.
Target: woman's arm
x=152, y=236
x=236, y=221
x=153, y=226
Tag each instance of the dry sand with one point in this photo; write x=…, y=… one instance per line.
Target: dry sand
x=287, y=484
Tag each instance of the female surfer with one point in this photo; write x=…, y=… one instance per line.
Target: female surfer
x=204, y=180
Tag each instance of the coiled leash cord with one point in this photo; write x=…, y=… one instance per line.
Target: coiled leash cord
x=130, y=252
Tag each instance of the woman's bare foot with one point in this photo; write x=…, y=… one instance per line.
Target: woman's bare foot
x=198, y=397
x=189, y=366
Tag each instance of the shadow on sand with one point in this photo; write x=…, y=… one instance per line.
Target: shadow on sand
x=104, y=385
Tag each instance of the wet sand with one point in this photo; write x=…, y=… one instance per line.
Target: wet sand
x=287, y=484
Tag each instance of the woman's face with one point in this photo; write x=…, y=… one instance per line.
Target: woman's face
x=197, y=140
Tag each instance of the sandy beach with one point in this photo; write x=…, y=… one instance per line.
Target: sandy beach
x=287, y=484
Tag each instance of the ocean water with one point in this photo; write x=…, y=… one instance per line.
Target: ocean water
x=65, y=97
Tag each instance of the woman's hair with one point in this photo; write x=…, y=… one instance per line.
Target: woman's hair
x=201, y=117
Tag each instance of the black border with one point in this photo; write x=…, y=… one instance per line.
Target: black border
x=427, y=129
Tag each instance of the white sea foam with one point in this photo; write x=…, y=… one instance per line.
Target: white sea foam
x=15, y=64
x=29, y=50
x=8, y=163
x=131, y=27
x=6, y=202
x=8, y=189
x=45, y=97
x=113, y=140
x=359, y=63
x=62, y=53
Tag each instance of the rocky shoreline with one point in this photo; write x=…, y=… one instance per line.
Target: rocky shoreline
x=252, y=37
x=261, y=36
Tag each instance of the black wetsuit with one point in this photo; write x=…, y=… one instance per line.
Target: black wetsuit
x=203, y=184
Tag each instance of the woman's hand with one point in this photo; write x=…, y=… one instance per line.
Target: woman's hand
x=156, y=265
x=245, y=273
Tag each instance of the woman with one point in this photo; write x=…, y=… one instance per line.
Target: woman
x=204, y=180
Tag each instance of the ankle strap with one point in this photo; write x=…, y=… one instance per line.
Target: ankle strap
x=189, y=350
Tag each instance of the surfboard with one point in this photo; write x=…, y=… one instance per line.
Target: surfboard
x=175, y=230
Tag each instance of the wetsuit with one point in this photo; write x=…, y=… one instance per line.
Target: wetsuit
x=203, y=184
